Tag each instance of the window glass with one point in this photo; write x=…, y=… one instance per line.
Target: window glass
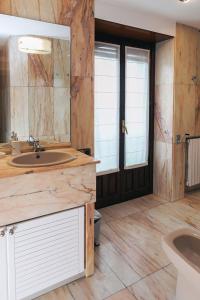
x=107, y=82
x=137, y=107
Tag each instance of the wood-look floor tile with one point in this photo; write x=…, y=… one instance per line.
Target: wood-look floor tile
x=61, y=293
x=133, y=255
x=122, y=295
x=165, y=219
x=130, y=207
x=155, y=198
x=101, y=285
x=192, y=200
x=130, y=253
x=194, y=194
x=116, y=262
x=138, y=231
x=171, y=270
x=158, y=286
x=117, y=211
x=146, y=202
x=186, y=213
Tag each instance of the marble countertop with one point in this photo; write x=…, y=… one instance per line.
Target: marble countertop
x=7, y=170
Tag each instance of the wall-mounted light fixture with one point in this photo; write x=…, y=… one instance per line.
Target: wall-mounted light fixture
x=34, y=45
x=184, y=1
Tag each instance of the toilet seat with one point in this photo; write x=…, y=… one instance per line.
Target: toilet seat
x=183, y=249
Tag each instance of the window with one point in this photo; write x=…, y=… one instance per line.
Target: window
x=127, y=109
x=137, y=107
x=107, y=81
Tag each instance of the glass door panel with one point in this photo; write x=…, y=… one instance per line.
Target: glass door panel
x=107, y=91
x=136, y=107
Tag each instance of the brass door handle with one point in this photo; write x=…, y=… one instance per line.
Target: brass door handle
x=124, y=128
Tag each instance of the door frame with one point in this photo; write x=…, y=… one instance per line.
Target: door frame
x=103, y=199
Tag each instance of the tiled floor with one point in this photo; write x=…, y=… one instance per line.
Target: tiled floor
x=130, y=263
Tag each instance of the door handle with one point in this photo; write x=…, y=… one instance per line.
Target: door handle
x=124, y=128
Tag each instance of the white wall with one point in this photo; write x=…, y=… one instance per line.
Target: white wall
x=134, y=18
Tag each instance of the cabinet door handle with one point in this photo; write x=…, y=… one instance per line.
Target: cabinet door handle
x=12, y=230
x=2, y=232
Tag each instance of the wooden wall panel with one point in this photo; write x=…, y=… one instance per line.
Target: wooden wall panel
x=186, y=99
x=163, y=119
x=82, y=112
x=162, y=184
x=61, y=112
x=61, y=52
x=79, y=15
x=89, y=239
x=82, y=27
x=19, y=117
x=163, y=113
x=41, y=121
x=184, y=109
x=40, y=70
x=164, y=88
x=178, y=171
x=186, y=54
x=164, y=72
x=197, y=108
x=4, y=99
x=177, y=108
x=18, y=64
x=44, y=78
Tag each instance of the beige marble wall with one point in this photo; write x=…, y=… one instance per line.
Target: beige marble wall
x=4, y=92
x=79, y=15
x=186, y=99
x=39, y=90
x=163, y=119
x=177, y=108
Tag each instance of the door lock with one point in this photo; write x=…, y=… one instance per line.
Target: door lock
x=124, y=128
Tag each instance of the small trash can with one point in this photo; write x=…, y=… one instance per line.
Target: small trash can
x=97, y=225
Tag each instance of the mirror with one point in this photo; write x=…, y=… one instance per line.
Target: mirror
x=34, y=80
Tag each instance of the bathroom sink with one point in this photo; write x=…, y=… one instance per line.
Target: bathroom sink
x=40, y=159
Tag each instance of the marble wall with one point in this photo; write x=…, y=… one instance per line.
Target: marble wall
x=4, y=93
x=163, y=120
x=38, y=92
x=177, y=108
x=80, y=16
x=186, y=98
x=175, y=112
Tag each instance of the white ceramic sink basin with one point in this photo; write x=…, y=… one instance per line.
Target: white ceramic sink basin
x=40, y=159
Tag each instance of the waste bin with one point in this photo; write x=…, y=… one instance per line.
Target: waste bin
x=97, y=225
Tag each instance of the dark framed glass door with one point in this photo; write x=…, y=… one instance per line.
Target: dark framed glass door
x=124, y=92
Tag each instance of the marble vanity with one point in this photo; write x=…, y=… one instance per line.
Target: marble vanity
x=46, y=212
x=31, y=194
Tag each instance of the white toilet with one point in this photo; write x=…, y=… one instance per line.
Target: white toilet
x=183, y=249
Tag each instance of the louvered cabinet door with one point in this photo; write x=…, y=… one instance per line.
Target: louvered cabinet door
x=3, y=265
x=45, y=253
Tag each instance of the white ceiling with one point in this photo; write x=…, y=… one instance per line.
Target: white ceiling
x=188, y=13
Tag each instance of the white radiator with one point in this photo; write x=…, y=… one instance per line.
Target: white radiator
x=193, y=162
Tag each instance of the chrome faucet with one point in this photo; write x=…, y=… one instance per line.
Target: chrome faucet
x=35, y=143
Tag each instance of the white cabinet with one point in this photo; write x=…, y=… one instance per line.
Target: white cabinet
x=3, y=264
x=42, y=254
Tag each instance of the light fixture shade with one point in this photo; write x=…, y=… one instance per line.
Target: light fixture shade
x=184, y=1
x=34, y=45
